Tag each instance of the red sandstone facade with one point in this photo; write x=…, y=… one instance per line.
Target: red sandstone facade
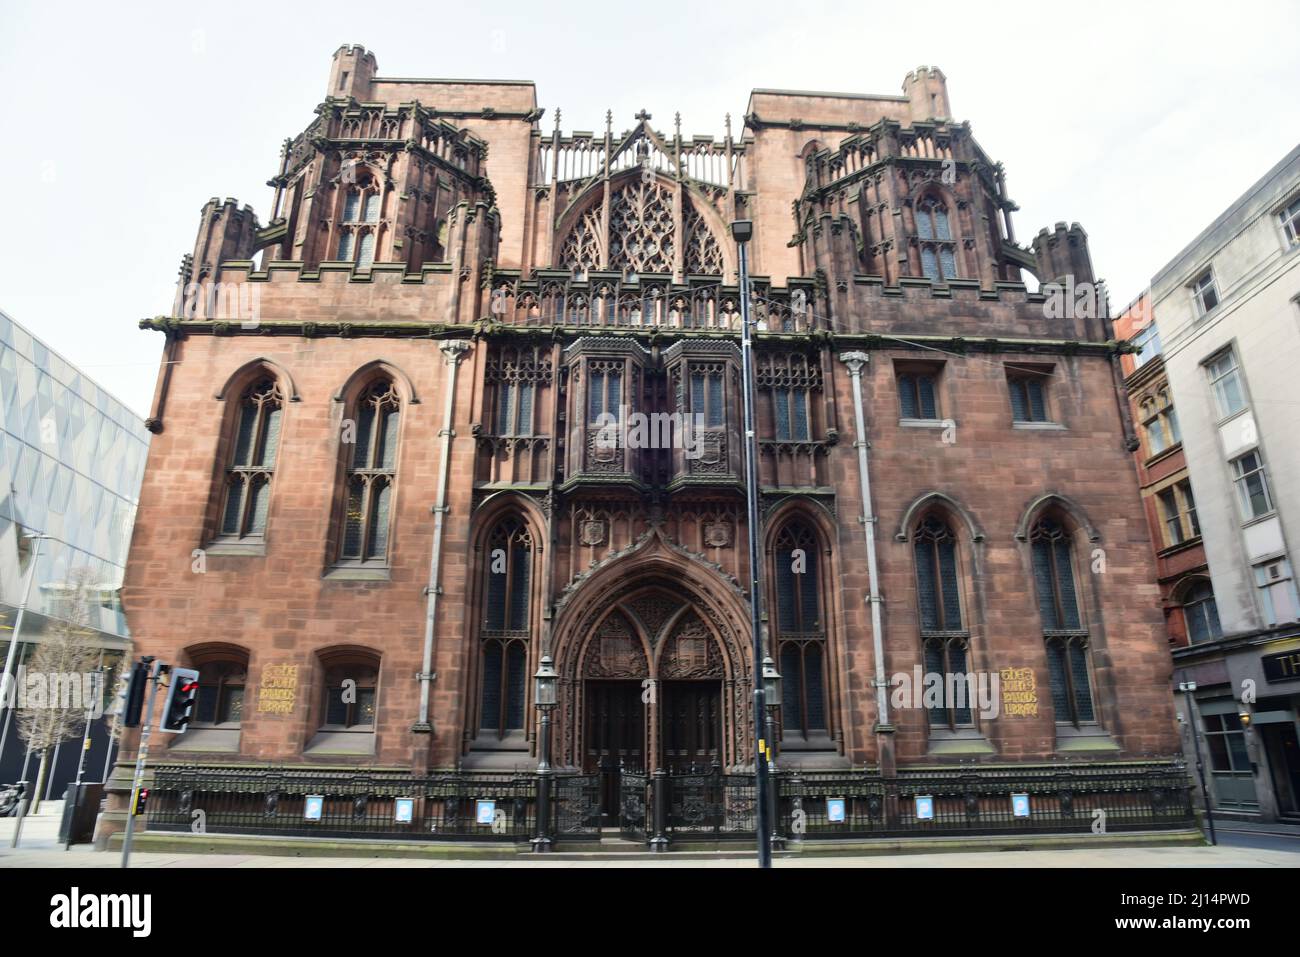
x=446, y=297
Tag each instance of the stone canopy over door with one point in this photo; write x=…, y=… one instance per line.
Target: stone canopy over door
x=656, y=654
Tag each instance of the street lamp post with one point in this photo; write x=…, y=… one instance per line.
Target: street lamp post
x=772, y=692
x=1187, y=687
x=545, y=697
x=742, y=231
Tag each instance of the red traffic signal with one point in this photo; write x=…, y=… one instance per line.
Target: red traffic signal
x=180, y=700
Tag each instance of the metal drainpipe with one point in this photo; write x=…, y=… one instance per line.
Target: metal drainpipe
x=453, y=350
x=855, y=361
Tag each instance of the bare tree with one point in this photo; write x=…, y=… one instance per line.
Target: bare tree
x=62, y=681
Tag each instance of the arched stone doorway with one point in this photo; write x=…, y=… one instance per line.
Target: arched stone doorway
x=653, y=671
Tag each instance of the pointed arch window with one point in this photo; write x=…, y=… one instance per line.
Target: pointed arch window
x=944, y=637
x=938, y=248
x=1063, y=628
x=506, y=627
x=800, y=631
x=358, y=220
x=371, y=474
x=251, y=466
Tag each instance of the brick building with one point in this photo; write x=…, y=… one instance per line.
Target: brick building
x=1186, y=592
x=384, y=480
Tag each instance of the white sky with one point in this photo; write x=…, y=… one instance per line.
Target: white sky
x=1142, y=121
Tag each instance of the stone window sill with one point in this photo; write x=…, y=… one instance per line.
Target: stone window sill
x=357, y=573
x=252, y=549
x=1039, y=426
x=342, y=742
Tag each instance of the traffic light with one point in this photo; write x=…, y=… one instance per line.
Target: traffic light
x=141, y=797
x=135, y=695
x=180, y=700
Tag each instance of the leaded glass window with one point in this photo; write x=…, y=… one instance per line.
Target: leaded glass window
x=252, y=461
x=1065, y=632
x=1028, y=397
x=350, y=697
x=506, y=627
x=220, y=701
x=800, y=630
x=916, y=395
x=371, y=474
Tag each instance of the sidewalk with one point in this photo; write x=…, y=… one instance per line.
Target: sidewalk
x=40, y=848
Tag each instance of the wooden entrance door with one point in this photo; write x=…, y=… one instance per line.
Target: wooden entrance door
x=692, y=724
x=615, y=737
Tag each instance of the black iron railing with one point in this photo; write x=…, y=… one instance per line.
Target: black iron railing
x=455, y=805
x=1056, y=801
x=662, y=807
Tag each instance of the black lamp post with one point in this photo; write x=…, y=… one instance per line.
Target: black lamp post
x=545, y=691
x=742, y=231
x=772, y=692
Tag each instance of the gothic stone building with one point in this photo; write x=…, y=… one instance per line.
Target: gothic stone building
x=378, y=490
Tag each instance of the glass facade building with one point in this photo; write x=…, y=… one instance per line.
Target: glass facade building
x=71, y=462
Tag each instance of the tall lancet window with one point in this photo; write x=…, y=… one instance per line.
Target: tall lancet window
x=252, y=461
x=944, y=637
x=1064, y=629
x=506, y=627
x=371, y=474
x=800, y=630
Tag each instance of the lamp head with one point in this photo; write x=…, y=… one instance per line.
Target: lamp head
x=742, y=230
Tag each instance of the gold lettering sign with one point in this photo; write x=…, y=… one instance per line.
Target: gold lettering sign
x=1019, y=692
x=278, y=691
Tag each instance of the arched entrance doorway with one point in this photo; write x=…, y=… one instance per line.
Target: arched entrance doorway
x=652, y=674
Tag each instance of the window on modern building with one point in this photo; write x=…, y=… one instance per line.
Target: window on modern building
x=1178, y=509
x=1201, y=614
x=1160, y=423
x=371, y=475
x=790, y=413
x=918, y=394
x=514, y=408
x=943, y=633
x=1148, y=345
x=506, y=627
x=1064, y=631
x=1225, y=380
x=1028, y=396
x=938, y=250
x=252, y=462
x=1225, y=739
x=220, y=701
x=1277, y=592
x=801, y=634
x=1290, y=218
x=351, y=689
x=1204, y=293
x=1251, y=480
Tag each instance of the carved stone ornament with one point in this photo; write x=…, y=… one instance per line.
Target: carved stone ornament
x=593, y=532
x=717, y=534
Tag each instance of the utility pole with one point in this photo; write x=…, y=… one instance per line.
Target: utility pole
x=155, y=675
x=742, y=230
x=1187, y=687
